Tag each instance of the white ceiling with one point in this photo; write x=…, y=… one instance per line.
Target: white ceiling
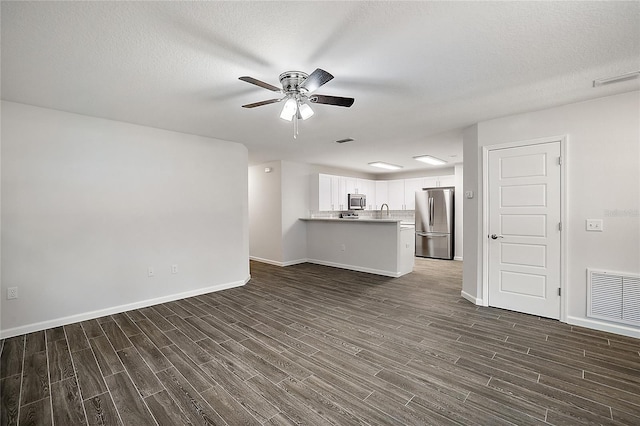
x=419, y=71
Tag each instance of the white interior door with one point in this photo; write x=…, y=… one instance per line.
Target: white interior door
x=524, y=229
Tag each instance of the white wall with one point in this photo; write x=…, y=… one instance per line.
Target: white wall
x=265, y=212
x=603, y=166
x=89, y=204
x=276, y=201
x=295, y=204
x=472, y=217
x=459, y=211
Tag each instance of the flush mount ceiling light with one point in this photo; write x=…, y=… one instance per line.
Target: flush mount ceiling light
x=617, y=79
x=430, y=160
x=297, y=88
x=383, y=165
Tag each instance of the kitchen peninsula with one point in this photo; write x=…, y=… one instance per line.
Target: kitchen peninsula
x=378, y=246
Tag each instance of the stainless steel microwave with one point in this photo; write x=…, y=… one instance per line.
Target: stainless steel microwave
x=356, y=201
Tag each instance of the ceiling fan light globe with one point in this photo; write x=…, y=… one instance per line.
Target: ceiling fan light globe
x=289, y=109
x=305, y=111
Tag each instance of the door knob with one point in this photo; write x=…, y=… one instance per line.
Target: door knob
x=495, y=237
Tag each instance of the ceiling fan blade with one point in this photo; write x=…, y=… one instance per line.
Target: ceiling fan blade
x=316, y=79
x=331, y=100
x=257, y=104
x=260, y=83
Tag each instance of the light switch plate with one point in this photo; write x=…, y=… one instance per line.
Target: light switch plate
x=594, y=225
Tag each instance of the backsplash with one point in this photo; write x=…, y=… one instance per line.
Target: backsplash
x=404, y=215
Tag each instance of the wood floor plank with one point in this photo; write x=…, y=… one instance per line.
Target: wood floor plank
x=101, y=411
x=189, y=330
x=92, y=328
x=250, y=400
x=35, y=378
x=197, y=410
x=55, y=333
x=153, y=333
x=165, y=411
x=126, y=325
x=229, y=409
x=106, y=356
x=192, y=372
x=67, y=403
x=89, y=376
x=11, y=357
x=237, y=366
x=35, y=342
x=37, y=413
x=150, y=353
x=157, y=319
x=115, y=335
x=131, y=408
x=75, y=337
x=280, y=399
x=140, y=373
x=207, y=329
x=255, y=361
x=194, y=350
x=10, y=399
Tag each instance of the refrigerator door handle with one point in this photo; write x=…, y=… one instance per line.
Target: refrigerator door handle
x=431, y=211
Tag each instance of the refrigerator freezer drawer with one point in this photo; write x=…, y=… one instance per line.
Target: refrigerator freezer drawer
x=439, y=246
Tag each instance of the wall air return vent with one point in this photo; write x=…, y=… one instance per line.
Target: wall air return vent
x=613, y=296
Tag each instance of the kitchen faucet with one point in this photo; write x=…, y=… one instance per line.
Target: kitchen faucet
x=382, y=207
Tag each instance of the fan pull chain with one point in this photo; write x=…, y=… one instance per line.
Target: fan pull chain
x=295, y=125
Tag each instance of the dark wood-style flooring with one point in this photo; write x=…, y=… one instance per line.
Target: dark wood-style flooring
x=309, y=344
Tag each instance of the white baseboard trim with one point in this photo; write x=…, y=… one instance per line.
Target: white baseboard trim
x=470, y=298
x=277, y=263
x=457, y=258
x=357, y=268
x=43, y=325
x=625, y=330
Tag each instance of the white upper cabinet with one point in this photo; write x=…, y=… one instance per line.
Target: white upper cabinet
x=398, y=194
x=368, y=188
x=410, y=188
x=449, y=180
x=382, y=193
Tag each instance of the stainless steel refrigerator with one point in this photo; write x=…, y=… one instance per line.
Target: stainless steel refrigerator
x=434, y=223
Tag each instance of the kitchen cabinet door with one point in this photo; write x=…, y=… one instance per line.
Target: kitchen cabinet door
x=449, y=180
x=325, y=202
x=396, y=194
x=382, y=193
x=368, y=188
x=431, y=182
x=410, y=188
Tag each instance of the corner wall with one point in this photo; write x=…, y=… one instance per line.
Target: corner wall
x=88, y=205
x=276, y=201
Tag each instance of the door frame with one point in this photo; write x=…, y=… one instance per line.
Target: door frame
x=564, y=297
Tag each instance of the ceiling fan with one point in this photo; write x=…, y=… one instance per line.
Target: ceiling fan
x=298, y=88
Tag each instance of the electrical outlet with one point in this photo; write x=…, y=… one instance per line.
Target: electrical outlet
x=594, y=225
x=12, y=293
x=150, y=271
x=174, y=269
x=342, y=247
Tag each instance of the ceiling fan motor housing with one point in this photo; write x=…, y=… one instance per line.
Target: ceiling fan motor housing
x=291, y=81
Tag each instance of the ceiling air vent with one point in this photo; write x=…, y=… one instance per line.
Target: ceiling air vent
x=345, y=140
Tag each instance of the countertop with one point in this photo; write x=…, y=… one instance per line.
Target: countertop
x=403, y=224
x=360, y=219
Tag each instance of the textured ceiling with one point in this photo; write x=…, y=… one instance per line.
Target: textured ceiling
x=419, y=71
